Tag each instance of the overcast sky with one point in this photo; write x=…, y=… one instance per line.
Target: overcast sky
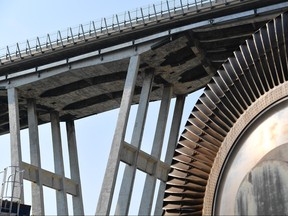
x=26, y=19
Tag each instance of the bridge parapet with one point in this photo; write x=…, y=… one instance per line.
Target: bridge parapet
x=160, y=17
x=105, y=26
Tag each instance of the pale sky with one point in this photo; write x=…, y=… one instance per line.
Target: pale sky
x=27, y=19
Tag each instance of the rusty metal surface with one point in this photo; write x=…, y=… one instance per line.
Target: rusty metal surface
x=257, y=67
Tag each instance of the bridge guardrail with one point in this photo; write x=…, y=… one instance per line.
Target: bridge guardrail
x=105, y=26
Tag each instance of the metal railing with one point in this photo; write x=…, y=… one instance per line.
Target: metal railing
x=11, y=190
x=105, y=26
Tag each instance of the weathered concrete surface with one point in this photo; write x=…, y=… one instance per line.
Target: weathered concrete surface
x=264, y=190
x=186, y=60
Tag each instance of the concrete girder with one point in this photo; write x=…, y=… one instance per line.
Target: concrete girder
x=61, y=198
x=15, y=141
x=125, y=193
x=107, y=190
x=150, y=181
x=172, y=143
x=50, y=179
x=37, y=188
x=78, y=208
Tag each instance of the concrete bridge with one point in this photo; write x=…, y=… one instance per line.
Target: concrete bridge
x=165, y=51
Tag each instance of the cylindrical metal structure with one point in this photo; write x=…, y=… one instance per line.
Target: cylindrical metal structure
x=210, y=156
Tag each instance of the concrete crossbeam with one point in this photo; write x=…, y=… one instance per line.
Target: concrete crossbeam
x=91, y=59
x=145, y=162
x=50, y=179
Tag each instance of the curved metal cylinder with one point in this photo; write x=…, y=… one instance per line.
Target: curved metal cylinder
x=247, y=84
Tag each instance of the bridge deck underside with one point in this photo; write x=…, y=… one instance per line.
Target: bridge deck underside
x=186, y=60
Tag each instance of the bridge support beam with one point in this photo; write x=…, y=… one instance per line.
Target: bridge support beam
x=145, y=162
x=172, y=142
x=15, y=141
x=150, y=181
x=126, y=189
x=78, y=208
x=37, y=188
x=61, y=198
x=107, y=190
x=49, y=179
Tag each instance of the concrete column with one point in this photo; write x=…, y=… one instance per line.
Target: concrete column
x=61, y=198
x=172, y=142
x=14, y=126
x=37, y=188
x=124, y=198
x=150, y=181
x=78, y=208
x=107, y=190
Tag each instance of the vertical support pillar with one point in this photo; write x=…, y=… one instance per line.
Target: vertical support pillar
x=150, y=181
x=173, y=139
x=37, y=188
x=107, y=190
x=15, y=141
x=78, y=208
x=61, y=198
x=125, y=193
